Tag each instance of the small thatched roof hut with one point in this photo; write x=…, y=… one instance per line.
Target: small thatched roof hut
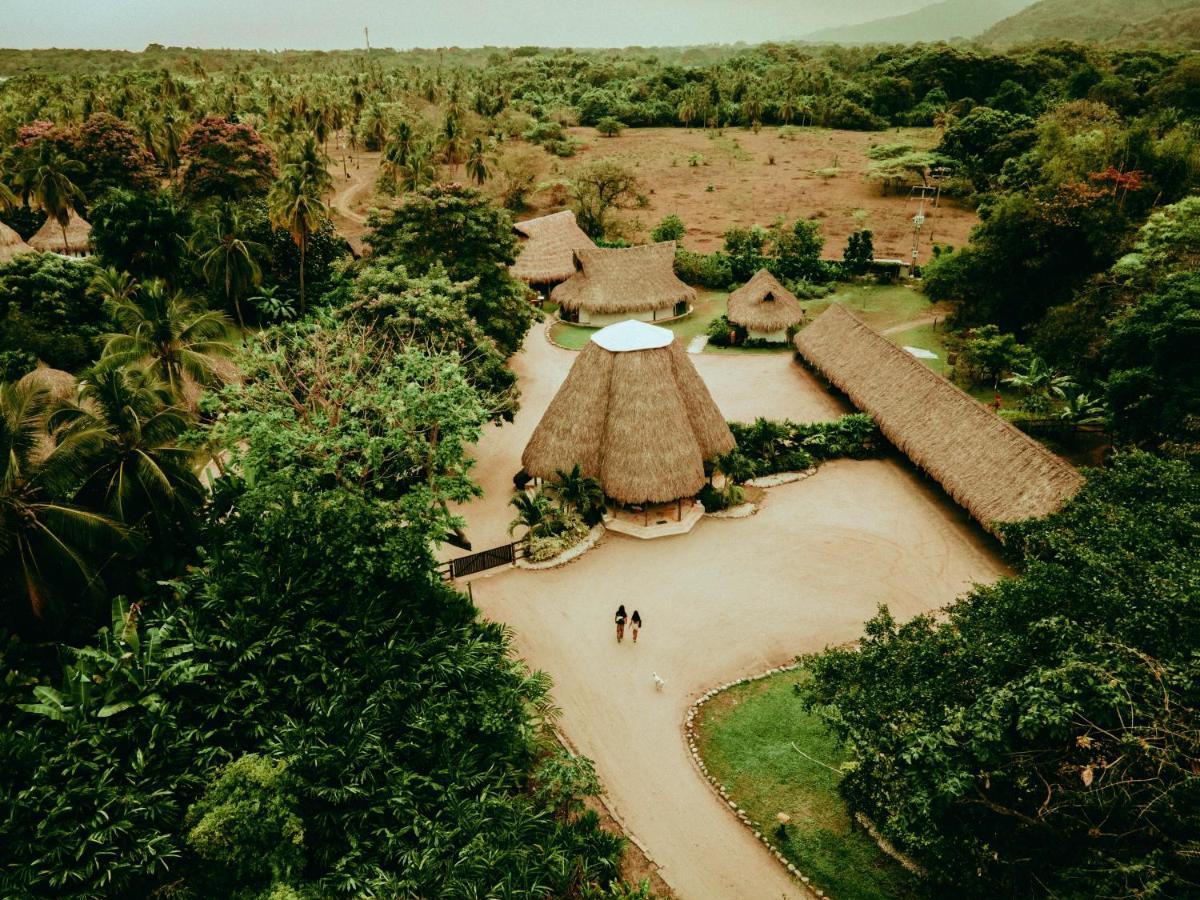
x=49, y=238
x=11, y=244
x=634, y=413
x=763, y=306
x=629, y=282
x=995, y=470
x=56, y=383
x=548, y=248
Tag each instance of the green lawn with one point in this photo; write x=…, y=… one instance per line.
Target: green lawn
x=709, y=305
x=746, y=737
x=879, y=305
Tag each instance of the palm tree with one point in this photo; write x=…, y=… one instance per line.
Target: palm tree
x=44, y=176
x=295, y=200
x=128, y=420
x=419, y=171
x=227, y=258
x=535, y=512
x=182, y=343
x=581, y=493
x=45, y=540
x=477, y=167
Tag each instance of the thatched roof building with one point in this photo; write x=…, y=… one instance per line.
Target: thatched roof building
x=614, y=284
x=548, y=248
x=765, y=308
x=634, y=413
x=995, y=470
x=11, y=244
x=49, y=238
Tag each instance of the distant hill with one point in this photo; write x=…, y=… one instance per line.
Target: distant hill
x=1121, y=22
x=936, y=22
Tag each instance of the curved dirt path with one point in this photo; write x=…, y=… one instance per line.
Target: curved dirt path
x=730, y=599
x=350, y=192
x=926, y=319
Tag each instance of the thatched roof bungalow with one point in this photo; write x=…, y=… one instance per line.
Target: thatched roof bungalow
x=634, y=413
x=615, y=284
x=996, y=471
x=49, y=238
x=548, y=245
x=11, y=244
x=765, y=308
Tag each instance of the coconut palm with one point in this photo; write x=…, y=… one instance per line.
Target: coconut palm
x=477, y=167
x=295, y=200
x=181, y=342
x=46, y=541
x=138, y=473
x=227, y=258
x=44, y=177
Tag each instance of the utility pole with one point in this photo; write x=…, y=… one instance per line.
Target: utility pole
x=367, y=36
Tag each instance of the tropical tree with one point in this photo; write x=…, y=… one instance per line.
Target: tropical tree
x=535, y=513
x=180, y=341
x=598, y=188
x=1041, y=384
x=227, y=258
x=47, y=543
x=45, y=176
x=138, y=472
x=295, y=201
x=581, y=493
x=477, y=164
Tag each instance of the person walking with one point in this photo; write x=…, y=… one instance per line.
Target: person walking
x=620, y=618
x=635, y=623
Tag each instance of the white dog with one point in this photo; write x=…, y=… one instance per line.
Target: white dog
x=658, y=682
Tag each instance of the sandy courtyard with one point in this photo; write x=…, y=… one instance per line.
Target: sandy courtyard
x=732, y=598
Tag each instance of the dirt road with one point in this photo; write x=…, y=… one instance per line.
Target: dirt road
x=730, y=599
x=353, y=189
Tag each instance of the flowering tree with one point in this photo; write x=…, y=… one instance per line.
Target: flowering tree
x=225, y=159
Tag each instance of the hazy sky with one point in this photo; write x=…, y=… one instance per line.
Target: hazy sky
x=332, y=24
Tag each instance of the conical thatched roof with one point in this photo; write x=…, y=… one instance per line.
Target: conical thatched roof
x=996, y=471
x=548, y=250
x=11, y=244
x=763, y=304
x=49, y=238
x=634, y=413
x=623, y=280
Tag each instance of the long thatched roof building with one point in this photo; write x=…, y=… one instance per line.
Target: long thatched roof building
x=765, y=308
x=995, y=470
x=634, y=413
x=11, y=244
x=49, y=238
x=548, y=248
x=614, y=284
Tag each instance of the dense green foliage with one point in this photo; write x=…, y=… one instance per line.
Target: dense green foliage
x=1041, y=737
x=456, y=230
x=46, y=310
x=766, y=448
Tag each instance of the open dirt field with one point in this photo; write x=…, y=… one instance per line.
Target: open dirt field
x=746, y=188
x=730, y=599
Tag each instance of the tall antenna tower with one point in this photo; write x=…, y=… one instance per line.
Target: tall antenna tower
x=367, y=36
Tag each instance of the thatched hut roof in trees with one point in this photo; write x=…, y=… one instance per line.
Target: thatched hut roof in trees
x=11, y=244
x=634, y=413
x=49, y=238
x=614, y=284
x=548, y=245
x=765, y=308
x=996, y=471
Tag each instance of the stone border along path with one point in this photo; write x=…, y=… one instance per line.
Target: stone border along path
x=730, y=803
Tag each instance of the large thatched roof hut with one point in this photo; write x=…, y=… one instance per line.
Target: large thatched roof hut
x=765, y=308
x=995, y=470
x=49, y=238
x=634, y=413
x=11, y=244
x=548, y=247
x=615, y=284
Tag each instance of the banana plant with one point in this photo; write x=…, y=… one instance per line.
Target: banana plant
x=124, y=671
